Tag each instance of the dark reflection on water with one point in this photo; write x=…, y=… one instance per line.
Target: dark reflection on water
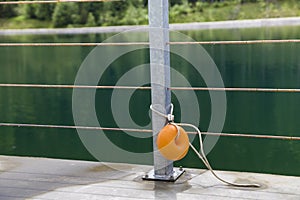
x=259, y=65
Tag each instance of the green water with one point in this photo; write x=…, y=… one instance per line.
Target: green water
x=259, y=65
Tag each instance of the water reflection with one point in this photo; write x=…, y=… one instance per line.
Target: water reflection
x=267, y=65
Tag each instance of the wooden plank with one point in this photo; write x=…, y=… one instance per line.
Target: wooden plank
x=41, y=178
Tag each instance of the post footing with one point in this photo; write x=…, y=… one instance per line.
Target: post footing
x=151, y=176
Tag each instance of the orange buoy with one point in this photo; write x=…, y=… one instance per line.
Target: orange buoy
x=171, y=146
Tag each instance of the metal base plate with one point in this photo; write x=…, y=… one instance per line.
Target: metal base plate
x=169, y=178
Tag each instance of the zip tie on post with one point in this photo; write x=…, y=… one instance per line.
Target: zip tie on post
x=169, y=117
x=200, y=153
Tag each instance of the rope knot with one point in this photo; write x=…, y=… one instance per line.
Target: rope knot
x=170, y=118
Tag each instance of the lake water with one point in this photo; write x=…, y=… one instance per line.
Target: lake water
x=257, y=65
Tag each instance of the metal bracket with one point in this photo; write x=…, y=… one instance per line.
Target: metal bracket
x=151, y=176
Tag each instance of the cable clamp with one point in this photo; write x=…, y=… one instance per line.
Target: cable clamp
x=170, y=118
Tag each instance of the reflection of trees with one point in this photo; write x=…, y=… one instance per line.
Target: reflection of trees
x=264, y=65
x=275, y=65
x=41, y=65
x=7, y=141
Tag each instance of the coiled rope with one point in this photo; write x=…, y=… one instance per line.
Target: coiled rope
x=200, y=153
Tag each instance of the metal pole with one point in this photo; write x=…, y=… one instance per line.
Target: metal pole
x=160, y=81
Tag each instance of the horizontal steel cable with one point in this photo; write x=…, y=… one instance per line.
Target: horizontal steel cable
x=237, y=89
x=73, y=127
x=147, y=131
x=288, y=90
x=238, y=42
x=76, y=86
x=147, y=43
x=50, y=1
x=250, y=135
x=72, y=44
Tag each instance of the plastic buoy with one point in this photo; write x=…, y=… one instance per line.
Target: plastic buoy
x=171, y=145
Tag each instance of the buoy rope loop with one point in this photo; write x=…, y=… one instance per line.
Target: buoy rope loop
x=178, y=129
x=169, y=117
x=204, y=159
x=200, y=153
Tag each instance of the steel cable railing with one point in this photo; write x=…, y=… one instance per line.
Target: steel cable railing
x=286, y=90
x=72, y=44
x=280, y=137
x=50, y=1
x=76, y=86
x=245, y=42
x=238, y=42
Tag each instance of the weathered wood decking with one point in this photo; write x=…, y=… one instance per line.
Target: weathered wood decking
x=40, y=178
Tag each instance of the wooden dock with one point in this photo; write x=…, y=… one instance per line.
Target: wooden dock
x=41, y=178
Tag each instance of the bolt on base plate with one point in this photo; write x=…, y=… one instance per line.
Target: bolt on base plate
x=169, y=178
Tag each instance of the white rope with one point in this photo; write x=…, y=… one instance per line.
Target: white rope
x=201, y=153
x=169, y=117
x=178, y=129
x=204, y=159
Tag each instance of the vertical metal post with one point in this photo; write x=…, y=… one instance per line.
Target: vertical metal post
x=160, y=75
x=160, y=82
